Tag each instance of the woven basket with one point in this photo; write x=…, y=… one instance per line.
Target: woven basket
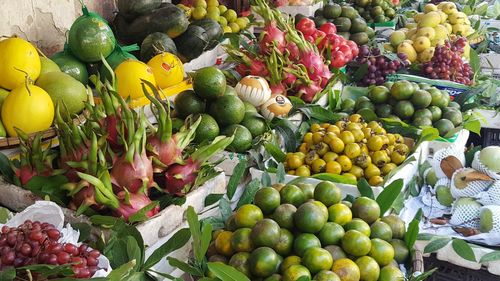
x=450, y=272
x=11, y=142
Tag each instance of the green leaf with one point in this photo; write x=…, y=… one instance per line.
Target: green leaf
x=436, y=244
x=122, y=272
x=463, y=249
x=141, y=216
x=388, y=195
x=424, y=275
x=235, y=179
x=178, y=240
x=84, y=229
x=226, y=272
x=333, y=178
x=104, y=220
x=425, y=236
x=266, y=179
x=398, y=204
x=360, y=72
x=133, y=250
x=8, y=274
x=280, y=173
x=213, y=198
x=493, y=256
x=189, y=269
x=195, y=229
x=365, y=189
x=206, y=238
x=117, y=253
x=249, y=193
x=474, y=61
x=225, y=209
x=412, y=232
x=316, y=112
x=6, y=168
x=46, y=270
x=49, y=186
x=275, y=152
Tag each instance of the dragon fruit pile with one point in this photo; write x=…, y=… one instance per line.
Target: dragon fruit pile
x=291, y=64
x=116, y=157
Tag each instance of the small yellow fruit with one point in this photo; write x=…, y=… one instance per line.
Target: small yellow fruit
x=426, y=55
x=444, y=16
x=457, y=18
x=432, y=19
x=460, y=29
x=440, y=32
x=448, y=27
x=397, y=37
x=430, y=8
x=421, y=43
x=428, y=32
x=408, y=49
x=418, y=17
x=411, y=32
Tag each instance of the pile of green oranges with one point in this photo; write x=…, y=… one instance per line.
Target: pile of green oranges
x=349, y=147
x=294, y=231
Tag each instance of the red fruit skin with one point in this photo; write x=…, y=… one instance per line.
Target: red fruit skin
x=307, y=92
x=258, y=68
x=168, y=153
x=354, y=48
x=293, y=50
x=328, y=28
x=318, y=35
x=278, y=89
x=306, y=26
x=347, y=52
x=25, y=173
x=338, y=59
x=242, y=70
x=179, y=177
x=270, y=34
x=290, y=79
x=133, y=176
x=136, y=203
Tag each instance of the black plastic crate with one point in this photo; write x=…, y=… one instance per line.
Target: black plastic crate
x=489, y=136
x=450, y=272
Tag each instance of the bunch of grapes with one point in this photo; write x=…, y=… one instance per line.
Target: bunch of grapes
x=447, y=63
x=37, y=243
x=379, y=66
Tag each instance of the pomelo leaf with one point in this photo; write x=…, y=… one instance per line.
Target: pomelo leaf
x=463, y=249
x=226, y=272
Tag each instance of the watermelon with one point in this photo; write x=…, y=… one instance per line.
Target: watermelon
x=169, y=19
x=213, y=30
x=133, y=9
x=156, y=43
x=192, y=43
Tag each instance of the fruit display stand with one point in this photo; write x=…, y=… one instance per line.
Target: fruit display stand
x=490, y=64
x=307, y=10
x=209, y=58
x=152, y=230
x=459, y=139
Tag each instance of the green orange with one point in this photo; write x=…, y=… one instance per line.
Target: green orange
x=283, y=215
x=339, y=213
x=317, y=259
x=327, y=193
x=292, y=194
x=240, y=240
x=267, y=199
x=266, y=232
x=247, y=216
x=309, y=218
x=285, y=244
x=331, y=234
x=263, y=262
x=303, y=242
x=294, y=272
x=356, y=243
